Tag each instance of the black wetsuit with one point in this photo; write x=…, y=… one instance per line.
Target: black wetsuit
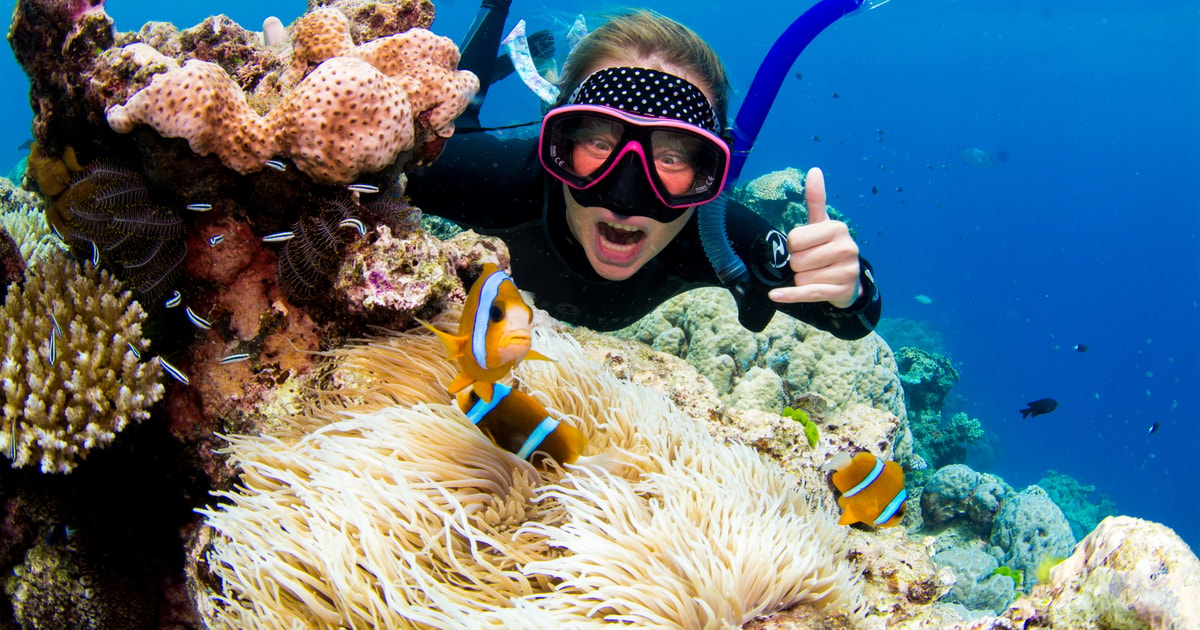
x=499, y=188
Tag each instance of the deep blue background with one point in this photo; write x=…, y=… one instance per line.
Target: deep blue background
x=1086, y=234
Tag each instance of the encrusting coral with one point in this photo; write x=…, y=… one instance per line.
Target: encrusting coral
x=71, y=378
x=353, y=113
x=379, y=510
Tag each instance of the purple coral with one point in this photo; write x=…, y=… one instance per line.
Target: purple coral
x=76, y=9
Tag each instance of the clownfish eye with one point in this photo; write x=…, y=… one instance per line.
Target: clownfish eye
x=496, y=314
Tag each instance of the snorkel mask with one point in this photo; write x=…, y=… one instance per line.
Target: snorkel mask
x=636, y=141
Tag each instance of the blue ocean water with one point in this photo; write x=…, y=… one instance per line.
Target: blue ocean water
x=1083, y=231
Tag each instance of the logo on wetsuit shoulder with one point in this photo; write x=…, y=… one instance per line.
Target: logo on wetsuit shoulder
x=777, y=248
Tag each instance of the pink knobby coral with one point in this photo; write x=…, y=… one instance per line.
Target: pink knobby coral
x=355, y=113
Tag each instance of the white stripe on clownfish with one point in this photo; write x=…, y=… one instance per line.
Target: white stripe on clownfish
x=544, y=429
x=870, y=478
x=892, y=508
x=481, y=408
x=487, y=299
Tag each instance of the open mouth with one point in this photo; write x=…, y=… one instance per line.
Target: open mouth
x=620, y=237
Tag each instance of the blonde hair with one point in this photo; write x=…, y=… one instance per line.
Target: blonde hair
x=634, y=37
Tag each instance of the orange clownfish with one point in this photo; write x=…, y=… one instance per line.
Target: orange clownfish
x=872, y=490
x=520, y=424
x=493, y=335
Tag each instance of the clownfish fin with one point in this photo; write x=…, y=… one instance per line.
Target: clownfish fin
x=848, y=518
x=460, y=382
x=534, y=355
x=455, y=345
x=483, y=389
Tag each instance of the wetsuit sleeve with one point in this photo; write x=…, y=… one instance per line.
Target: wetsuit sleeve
x=749, y=235
x=481, y=182
x=478, y=55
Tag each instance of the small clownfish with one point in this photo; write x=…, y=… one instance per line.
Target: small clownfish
x=493, y=335
x=520, y=424
x=872, y=490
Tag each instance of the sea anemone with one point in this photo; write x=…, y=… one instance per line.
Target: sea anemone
x=385, y=507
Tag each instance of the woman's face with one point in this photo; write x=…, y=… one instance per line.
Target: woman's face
x=616, y=245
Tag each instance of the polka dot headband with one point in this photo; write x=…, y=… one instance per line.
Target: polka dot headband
x=648, y=93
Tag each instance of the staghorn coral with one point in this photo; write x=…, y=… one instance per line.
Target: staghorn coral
x=396, y=513
x=354, y=113
x=65, y=395
x=110, y=209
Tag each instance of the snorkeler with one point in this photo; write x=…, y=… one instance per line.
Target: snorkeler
x=600, y=212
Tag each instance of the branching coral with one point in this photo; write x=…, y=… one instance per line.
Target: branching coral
x=403, y=515
x=67, y=393
x=22, y=217
x=353, y=113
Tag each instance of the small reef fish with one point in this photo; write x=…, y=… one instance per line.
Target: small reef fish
x=520, y=424
x=275, y=164
x=493, y=335
x=923, y=299
x=872, y=490
x=199, y=207
x=1153, y=428
x=198, y=321
x=1082, y=347
x=173, y=371
x=1039, y=407
x=174, y=300
x=363, y=188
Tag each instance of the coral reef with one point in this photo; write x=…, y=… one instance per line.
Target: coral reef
x=769, y=370
x=1072, y=498
x=440, y=539
x=353, y=113
x=927, y=378
x=21, y=215
x=779, y=198
x=109, y=214
x=1128, y=573
x=977, y=585
x=71, y=370
x=957, y=491
x=1027, y=528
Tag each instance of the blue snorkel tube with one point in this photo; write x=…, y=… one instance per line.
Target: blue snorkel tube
x=770, y=77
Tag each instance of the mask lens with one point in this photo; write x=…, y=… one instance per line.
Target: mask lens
x=580, y=147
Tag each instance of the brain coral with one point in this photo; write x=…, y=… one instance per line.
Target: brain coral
x=67, y=394
x=354, y=113
x=400, y=514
